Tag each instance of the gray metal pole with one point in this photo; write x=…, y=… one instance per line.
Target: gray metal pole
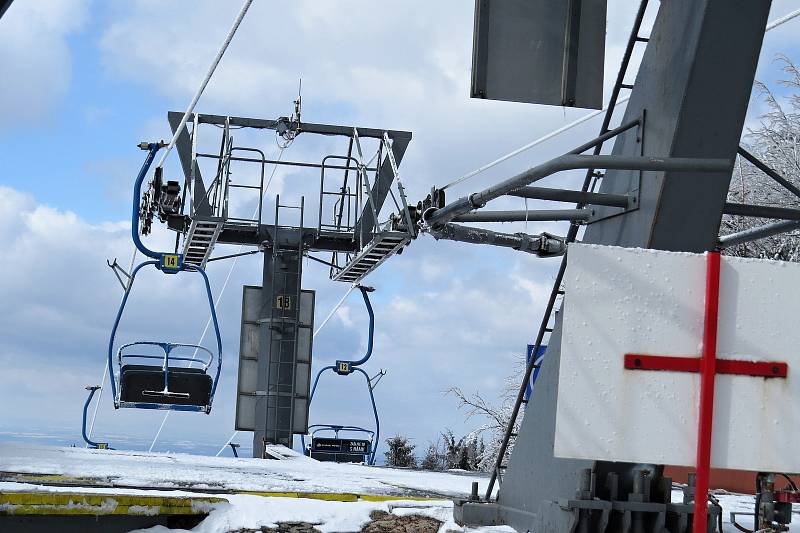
x=760, y=165
x=536, y=215
x=578, y=197
x=761, y=211
x=761, y=232
x=543, y=245
x=572, y=162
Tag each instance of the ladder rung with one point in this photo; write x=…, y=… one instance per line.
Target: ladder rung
x=642, y=39
x=560, y=291
x=548, y=330
x=626, y=85
x=502, y=467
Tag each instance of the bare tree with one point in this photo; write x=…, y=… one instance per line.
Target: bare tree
x=496, y=416
x=776, y=142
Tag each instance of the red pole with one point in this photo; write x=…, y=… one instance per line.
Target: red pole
x=705, y=419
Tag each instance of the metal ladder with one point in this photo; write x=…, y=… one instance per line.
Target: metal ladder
x=383, y=245
x=546, y=326
x=200, y=240
x=280, y=323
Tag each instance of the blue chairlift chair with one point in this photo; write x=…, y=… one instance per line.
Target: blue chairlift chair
x=175, y=382
x=345, y=368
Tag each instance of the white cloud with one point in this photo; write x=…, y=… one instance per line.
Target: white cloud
x=36, y=59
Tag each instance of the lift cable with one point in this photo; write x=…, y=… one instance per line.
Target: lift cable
x=235, y=257
x=190, y=109
x=786, y=18
x=771, y=26
x=535, y=142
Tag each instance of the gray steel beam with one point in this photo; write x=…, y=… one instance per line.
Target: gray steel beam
x=763, y=167
x=305, y=127
x=572, y=162
x=380, y=189
x=184, y=146
x=578, y=197
x=313, y=239
x=535, y=215
x=277, y=354
x=283, y=163
x=4, y=5
x=761, y=232
x=761, y=211
x=543, y=245
x=695, y=103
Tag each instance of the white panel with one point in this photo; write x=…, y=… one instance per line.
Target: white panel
x=246, y=412
x=300, y=415
x=248, y=375
x=621, y=301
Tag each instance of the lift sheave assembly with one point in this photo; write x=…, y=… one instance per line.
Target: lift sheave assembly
x=181, y=378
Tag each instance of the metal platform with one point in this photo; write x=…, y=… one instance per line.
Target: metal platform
x=200, y=240
x=382, y=247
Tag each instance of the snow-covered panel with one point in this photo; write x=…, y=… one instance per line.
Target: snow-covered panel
x=620, y=301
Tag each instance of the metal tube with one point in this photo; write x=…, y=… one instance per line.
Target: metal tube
x=598, y=141
x=564, y=195
x=761, y=232
x=571, y=162
x=543, y=245
x=705, y=417
x=761, y=211
x=538, y=215
x=287, y=163
x=760, y=165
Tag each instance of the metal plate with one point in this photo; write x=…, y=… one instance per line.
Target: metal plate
x=623, y=300
x=540, y=51
x=247, y=395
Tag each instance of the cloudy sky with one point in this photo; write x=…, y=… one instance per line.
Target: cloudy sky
x=83, y=82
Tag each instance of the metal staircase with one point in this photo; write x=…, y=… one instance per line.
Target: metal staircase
x=556, y=294
x=383, y=242
x=200, y=240
x=382, y=246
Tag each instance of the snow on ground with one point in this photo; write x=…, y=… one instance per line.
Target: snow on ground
x=125, y=472
x=245, y=511
x=183, y=471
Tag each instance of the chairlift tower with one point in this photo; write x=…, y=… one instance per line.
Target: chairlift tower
x=277, y=318
x=665, y=186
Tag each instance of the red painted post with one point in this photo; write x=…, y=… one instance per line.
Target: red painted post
x=705, y=419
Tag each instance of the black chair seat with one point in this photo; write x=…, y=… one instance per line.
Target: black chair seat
x=136, y=379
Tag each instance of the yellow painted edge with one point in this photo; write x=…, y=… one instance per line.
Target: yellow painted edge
x=27, y=478
x=341, y=496
x=51, y=503
x=70, y=503
x=387, y=498
x=326, y=496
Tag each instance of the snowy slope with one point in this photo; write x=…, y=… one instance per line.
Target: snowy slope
x=183, y=471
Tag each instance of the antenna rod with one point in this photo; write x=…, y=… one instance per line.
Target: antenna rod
x=190, y=109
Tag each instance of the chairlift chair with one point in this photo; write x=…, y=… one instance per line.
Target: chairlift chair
x=341, y=450
x=176, y=382
x=345, y=368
